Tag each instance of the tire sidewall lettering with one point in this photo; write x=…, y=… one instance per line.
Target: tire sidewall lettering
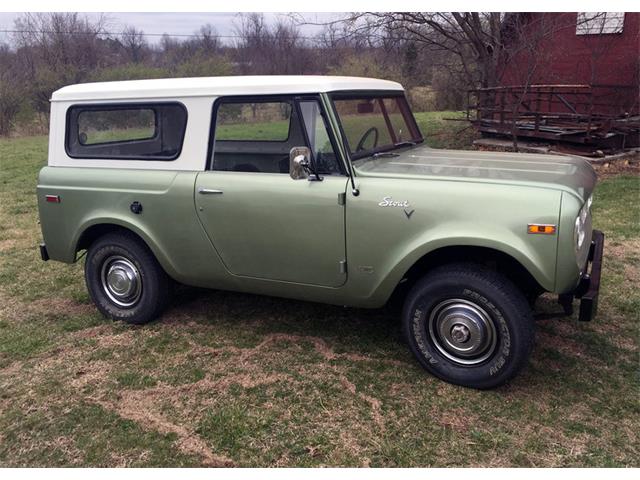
x=419, y=332
x=493, y=366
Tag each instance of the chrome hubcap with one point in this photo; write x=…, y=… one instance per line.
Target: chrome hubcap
x=462, y=331
x=121, y=281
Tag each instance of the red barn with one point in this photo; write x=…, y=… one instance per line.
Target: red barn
x=568, y=77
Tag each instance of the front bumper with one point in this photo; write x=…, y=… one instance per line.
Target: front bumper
x=589, y=287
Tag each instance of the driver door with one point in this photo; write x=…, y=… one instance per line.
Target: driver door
x=263, y=223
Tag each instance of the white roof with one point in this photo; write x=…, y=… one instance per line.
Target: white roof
x=217, y=86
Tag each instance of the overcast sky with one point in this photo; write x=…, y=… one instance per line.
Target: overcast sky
x=175, y=23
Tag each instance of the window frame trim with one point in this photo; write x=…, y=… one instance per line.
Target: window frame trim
x=267, y=98
x=325, y=120
x=123, y=106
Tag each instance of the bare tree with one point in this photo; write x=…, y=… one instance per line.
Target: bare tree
x=208, y=38
x=472, y=40
x=270, y=50
x=10, y=92
x=134, y=44
x=54, y=49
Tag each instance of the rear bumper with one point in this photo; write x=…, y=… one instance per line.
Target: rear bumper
x=588, y=289
x=44, y=254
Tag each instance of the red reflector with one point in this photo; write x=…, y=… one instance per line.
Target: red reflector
x=53, y=198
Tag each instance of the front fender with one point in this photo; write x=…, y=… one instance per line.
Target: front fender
x=530, y=259
x=384, y=242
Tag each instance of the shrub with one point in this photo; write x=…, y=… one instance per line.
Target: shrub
x=422, y=99
x=450, y=91
x=129, y=71
x=10, y=100
x=202, y=65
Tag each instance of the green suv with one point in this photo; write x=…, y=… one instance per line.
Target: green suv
x=319, y=189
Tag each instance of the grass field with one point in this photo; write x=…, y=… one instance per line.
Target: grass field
x=226, y=379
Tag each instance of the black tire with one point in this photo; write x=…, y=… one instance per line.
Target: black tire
x=467, y=306
x=117, y=258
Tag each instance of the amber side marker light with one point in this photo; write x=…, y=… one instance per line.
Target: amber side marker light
x=542, y=229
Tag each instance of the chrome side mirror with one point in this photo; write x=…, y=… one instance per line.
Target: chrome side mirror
x=299, y=163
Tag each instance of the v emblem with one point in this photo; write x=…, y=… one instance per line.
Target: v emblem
x=408, y=214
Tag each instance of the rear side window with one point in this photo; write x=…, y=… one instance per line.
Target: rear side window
x=109, y=126
x=126, y=132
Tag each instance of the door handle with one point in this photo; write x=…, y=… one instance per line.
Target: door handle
x=209, y=191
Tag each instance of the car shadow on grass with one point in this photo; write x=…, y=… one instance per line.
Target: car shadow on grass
x=363, y=331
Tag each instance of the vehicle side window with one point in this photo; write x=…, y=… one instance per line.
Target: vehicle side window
x=319, y=142
x=106, y=126
x=359, y=117
x=255, y=136
x=126, y=132
x=268, y=121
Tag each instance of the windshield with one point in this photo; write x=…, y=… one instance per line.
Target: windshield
x=374, y=123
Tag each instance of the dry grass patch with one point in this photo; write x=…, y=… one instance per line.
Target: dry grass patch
x=231, y=379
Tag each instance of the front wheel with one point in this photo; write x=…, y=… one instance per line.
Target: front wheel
x=125, y=280
x=468, y=325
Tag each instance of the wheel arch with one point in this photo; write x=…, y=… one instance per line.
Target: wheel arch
x=497, y=259
x=93, y=230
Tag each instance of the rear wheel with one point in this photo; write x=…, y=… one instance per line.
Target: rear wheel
x=125, y=280
x=468, y=325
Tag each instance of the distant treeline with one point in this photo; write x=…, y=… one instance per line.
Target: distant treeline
x=436, y=56
x=50, y=50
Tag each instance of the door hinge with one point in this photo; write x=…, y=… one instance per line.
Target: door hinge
x=343, y=266
x=342, y=198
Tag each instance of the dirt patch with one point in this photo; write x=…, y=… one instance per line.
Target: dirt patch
x=15, y=235
x=244, y=380
x=622, y=252
x=62, y=306
x=320, y=346
x=129, y=402
x=94, y=374
x=561, y=340
x=374, y=403
x=11, y=307
x=624, y=166
x=454, y=418
x=352, y=446
x=198, y=349
x=129, y=406
x=7, y=244
x=123, y=339
x=15, y=309
x=11, y=369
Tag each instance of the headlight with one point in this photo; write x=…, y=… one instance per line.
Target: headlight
x=579, y=233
